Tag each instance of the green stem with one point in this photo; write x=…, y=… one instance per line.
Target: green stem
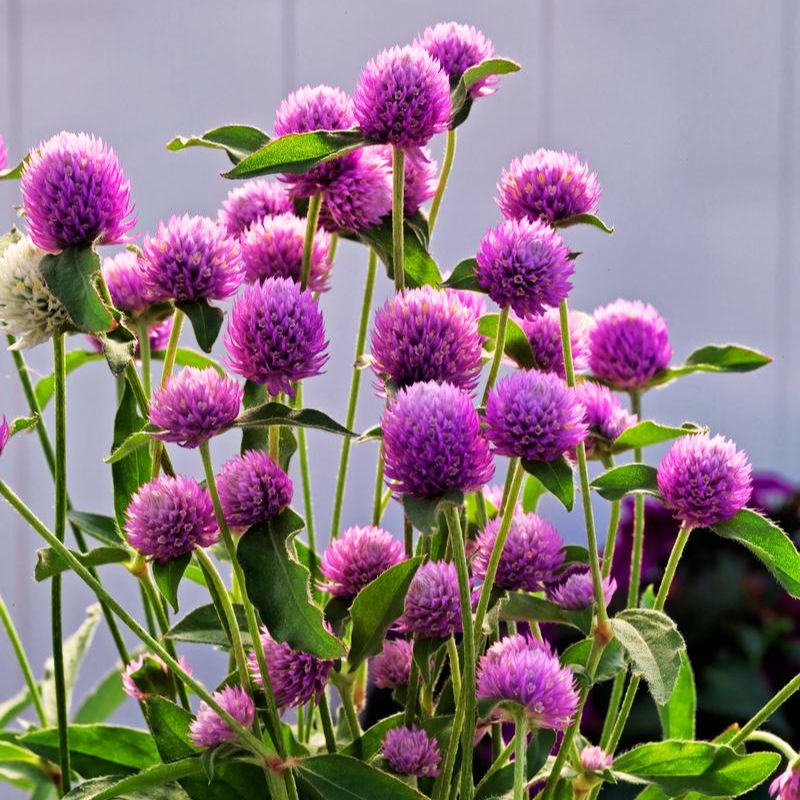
x=377, y=500
x=305, y=475
x=455, y=666
x=497, y=355
x=766, y=711
x=160, y=457
x=149, y=619
x=775, y=742
x=412, y=693
x=346, y=693
x=312, y=219
x=327, y=723
x=447, y=164
x=634, y=586
x=500, y=761
x=144, y=353
x=613, y=708
x=520, y=753
x=398, y=198
x=611, y=538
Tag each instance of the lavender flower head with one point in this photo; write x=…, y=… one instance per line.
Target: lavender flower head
x=547, y=185
x=402, y=98
x=595, y=759
x=5, y=432
x=606, y=417
x=544, y=335
x=524, y=265
x=125, y=279
x=392, y=666
x=169, y=517
x=420, y=176
x=535, y=416
x=704, y=480
x=628, y=344
x=577, y=591
x=253, y=489
x=251, y=202
x=194, y=405
x=3, y=153
x=75, y=192
x=410, y=751
x=475, y=302
x=787, y=785
x=426, y=335
x=432, y=607
x=276, y=335
x=357, y=557
x=209, y=729
x=433, y=443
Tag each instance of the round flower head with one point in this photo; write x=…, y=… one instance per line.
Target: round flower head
x=787, y=785
x=3, y=153
x=475, y=302
x=606, y=417
x=524, y=265
x=457, y=48
x=191, y=258
x=531, y=556
x=595, y=759
x=577, y=591
x=358, y=557
x=251, y=202
x=544, y=335
x=169, y=517
x=426, y=335
x=28, y=309
x=535, y=416
x=402, y=98
x=547, y=185
x=432, y=607
x=276, y=335
x=273, y=248
x=392, y=666
x=420, y=176
x=410, y=751
x=628, y=343
x=704, y=480
x=147, y=675
x=296, y=677
x=125, y=279
x=5, y=432
x=209, y=729
x=433, y=443
x=194, y=405
x=74, y=192
x=253, y=489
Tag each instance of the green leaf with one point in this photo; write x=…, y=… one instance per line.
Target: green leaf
x=202, y=626
x=615, y=483
x=119, y=347
x=424, y=654
x=502, y=782
x=647, y=432
x=254, y=438
x=273, y=413
x=584, y=219
x=460, y=99
x=184, y=357
x=533, y=491
x=49, y=562
x=677, y=715
x=368, y=745
x=154, y=783
x=376, y=607
x=611, y=662
x=75, y=358
x=102, y=701
x=168, y=577
x=99, y=526
x=463, y=277
x=206, y=321
x=21, y=424
x=727, y=358
x=238, y=141
x=11, y=708
x=14, y=173
x=134, y=442
x=556, y=476
x=423, y=512
x=525, y=607
x=517, y=347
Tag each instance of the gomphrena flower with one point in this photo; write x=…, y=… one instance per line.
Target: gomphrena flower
x=628, y=343
x=577, y=591
x=531, y=556
x=169, y=517
x=524, y=265
x=606, y=417
x=276, y=335
x=420, y=176
x=75, y=192
x=787, y=785
x=28, y=309
x=529, y=675
x=392, y=666
x=252, y=202
x=433, y=443
x=194, y=405
x=191, y=258
x=535, y=416
x=296, y=677
x=595, y=759
x=475, y=302
x=3, y=153
x=432, y=607
x=411, y=751
x=402, y=98
x=147, y=675
x=357, y=557
x=544, y=335
x=273, y=248
x=209, y=729
x=548, y=185
x=125, y=279
x=426, y=335
x=704, y=480
x=253, y=489
x=5, y=432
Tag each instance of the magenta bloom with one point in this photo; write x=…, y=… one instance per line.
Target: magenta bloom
x=606, y=417
x=432, y=608
x=169, y=517
x=547, y=185
x=3, y=153
x=524, y=265
x=535, y=416
x=420, y=176
x=273, y=248
x=410, y=751
x=595, y=759
x=402, y=98
x=531, y=556
x=577, y=591
x=125, y=279
x=251, y=202
x=75, y=192
x=544, y=335
x=253, y=489
x=276, y=335
x=628, y=344
x=5, y=432
x=787, y=785
x=426, y=335
x=433, y=443
x=392, y=666
x=704, y=480
x=195, y=405
x=209, y=729
x=358, y=557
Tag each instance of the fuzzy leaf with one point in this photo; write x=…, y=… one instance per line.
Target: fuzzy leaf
x=238, y=141
x=206, y=321
x=611, y=662
x=463, y=277
x=502, y=782
x=202, y=626
x=677, y=715
x=14, y=173
x=615, y=483
x=584, y=219
x=152, y=783
x=273, y=413
x=517, y=347
x=525, y=607
x=647, y=432
x=134, y=442
x=168, y=577
x=423, y=512
x=556, y=476
x=99, y=526
x=49, y=562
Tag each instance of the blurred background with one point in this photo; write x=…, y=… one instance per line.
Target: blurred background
x=688, y=112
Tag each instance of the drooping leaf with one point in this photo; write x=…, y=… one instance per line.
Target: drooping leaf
x=423, y=512
x=11, y=708
x=75, y=358
x=584, y=219
x=463, y=277
x=101, y=701
x=556, y=476
x=532, y=492
x=202, y=626
x=22, y=424
x=119, y=347
x=677, y=715
x=526, y=607
x=460, y=99
x=517, y=347
x=238, y=141
x=274, y=413
x=612, y=661
x=49, y=562
x=647, y=432
x=99, y=526
x=713, y=358
x=168, y=577
x=135, y=441
x=502, y=782
x=206, y=321
x=616, y=482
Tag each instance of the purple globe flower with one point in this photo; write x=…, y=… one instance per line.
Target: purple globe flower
x=595, y=759
x=544, y=335
x=3, y=153
x=191, y=258
x=547, y=185
x=169, y=517
x=252, y=202
x=358, y=557
x=75, y=192
x=402, y=98
x=426, y=335
x=432, y=442
x=531, y=556
x=577, y=591
x=420, y=176
x=5, y=432
x=628, y=343
x=704, y=480
x=276, y=335
x=194, y=405
x=209, y=729
x=273, y=248
x=524, y=265
x=392, y=666
x=535, y=416
x=787, y=785
x=604, y=414
x=253, y=489
x=125, y=279
x=410, y=751
x=474, y=301
x=432, y=607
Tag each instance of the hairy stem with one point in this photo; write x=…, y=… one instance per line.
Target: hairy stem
x=775, y=742
x=312, y=218
x=637, y=550
x=305, y=475
x=144, y=352
x=447, y=165
x=398, y=198
x=766, y=711
x=520, y=753
x=497, y=355
x=327, y=723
